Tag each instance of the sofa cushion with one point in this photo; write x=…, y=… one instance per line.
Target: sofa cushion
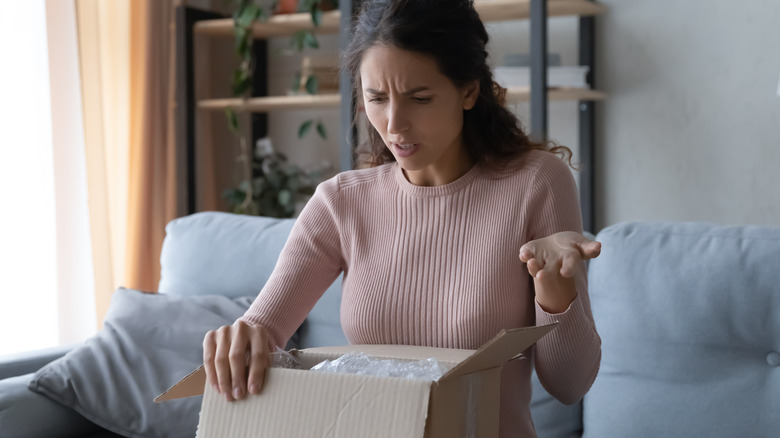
x=148, y=343
x=220, y=253
x=233, y=255
x=27, y=414
x=689, y=317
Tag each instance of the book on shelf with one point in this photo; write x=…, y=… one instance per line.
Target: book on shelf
x=557, y=76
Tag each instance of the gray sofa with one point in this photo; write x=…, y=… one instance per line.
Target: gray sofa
x=689, y=315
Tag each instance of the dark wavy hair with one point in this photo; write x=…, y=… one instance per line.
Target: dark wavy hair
x=450, y=32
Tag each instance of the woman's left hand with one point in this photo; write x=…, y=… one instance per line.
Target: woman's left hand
x=553, y=261
x=558, y=254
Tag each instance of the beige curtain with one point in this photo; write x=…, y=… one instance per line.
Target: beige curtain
x=104, y=57
x=152, y=166
x=127, y=76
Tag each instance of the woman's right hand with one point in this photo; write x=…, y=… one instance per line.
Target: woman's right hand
x=236, y=357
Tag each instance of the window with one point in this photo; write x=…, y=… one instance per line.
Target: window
x=40, y=253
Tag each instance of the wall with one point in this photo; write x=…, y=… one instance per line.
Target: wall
x=691, y=130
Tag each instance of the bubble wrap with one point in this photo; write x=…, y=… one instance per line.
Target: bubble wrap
x=283, y=359
x=359, y=363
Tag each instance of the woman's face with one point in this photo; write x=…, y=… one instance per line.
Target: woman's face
x=418, y=112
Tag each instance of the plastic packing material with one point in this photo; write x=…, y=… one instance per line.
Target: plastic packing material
x=360, y=363
x=283, y=359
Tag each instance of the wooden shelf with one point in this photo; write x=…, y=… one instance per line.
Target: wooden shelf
x=275, y=103
x=522, y=94
x=320, y=101
x=276, y=26
x=489, y=10
x=503, y=10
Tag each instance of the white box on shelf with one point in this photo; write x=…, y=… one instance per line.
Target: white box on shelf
x=557, y=76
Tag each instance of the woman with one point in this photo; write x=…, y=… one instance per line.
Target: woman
x=460, y=227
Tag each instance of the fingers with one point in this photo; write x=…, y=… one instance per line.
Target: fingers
x=222, y=362
x=259, y=359
x=569, y=264
x=209, y=352
x=541, y=269
x=590, y=249
x=526, y=253
x=534, y=266
x=550, y=270
x=565, y=266
x=237, y=357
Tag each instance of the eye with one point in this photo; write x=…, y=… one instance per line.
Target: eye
x=376, y=99
x=422, y=99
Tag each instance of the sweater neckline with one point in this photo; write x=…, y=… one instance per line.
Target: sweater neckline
x=434, y=191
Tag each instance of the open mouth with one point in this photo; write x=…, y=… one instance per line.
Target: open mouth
x=404, y=150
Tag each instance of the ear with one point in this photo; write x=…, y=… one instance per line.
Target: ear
x=471, y=93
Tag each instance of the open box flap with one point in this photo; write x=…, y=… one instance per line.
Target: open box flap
x=502, y=348
x=189, y=386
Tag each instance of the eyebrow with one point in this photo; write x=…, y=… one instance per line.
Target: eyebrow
x=406, y=93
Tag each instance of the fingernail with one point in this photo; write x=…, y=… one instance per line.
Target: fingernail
x=253, y=388
x=237, y=392
x=216, y=387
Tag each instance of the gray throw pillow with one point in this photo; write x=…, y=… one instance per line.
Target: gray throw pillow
x=149, y=342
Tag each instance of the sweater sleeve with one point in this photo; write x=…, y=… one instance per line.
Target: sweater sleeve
x=568, y=358
x=311, y=260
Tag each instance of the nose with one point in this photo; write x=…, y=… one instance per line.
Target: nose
x=397, y=118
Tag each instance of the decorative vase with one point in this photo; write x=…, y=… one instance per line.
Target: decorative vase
x=286, y=7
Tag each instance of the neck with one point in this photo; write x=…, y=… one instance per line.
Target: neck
x=447, y=170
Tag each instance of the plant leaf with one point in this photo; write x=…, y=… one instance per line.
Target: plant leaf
x=321, y=131
x=242, y=46
x=239, y=33
x=274, y=180
x=298, y=40
x=242, y=82
x=312, y=85
x=242, y=87
x=249, y=15
x=305, y=126
x=316, y=14
x=232, y=118
x=311, y=40
x=284, y=197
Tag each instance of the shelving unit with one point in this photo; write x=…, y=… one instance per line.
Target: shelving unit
x=489, y=10
x=273, y=103
x=276, y=26
x=292, y=103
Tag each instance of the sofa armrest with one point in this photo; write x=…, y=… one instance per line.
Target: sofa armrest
x=29, y=362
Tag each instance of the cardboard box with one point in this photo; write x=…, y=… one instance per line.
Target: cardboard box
x=301, y=403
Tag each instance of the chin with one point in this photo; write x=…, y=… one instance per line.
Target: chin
x=410, y=164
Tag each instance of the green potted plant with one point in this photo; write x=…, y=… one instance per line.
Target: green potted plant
x=278, y=188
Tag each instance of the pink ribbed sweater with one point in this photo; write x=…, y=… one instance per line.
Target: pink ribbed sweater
x=438, y=266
